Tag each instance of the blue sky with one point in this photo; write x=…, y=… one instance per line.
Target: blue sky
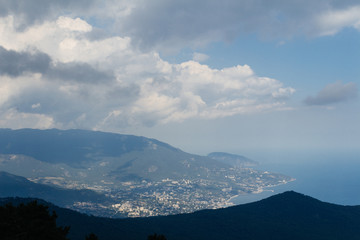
x=235, y=75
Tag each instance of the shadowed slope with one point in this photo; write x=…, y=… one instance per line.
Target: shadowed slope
x=285, y=216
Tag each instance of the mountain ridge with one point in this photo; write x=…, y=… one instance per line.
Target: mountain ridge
x=77, y=141
x=289, y=215
x=233, y=159
x=16, y=186
x=142, y=176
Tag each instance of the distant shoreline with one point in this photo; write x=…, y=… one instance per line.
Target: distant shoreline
x=257, y=195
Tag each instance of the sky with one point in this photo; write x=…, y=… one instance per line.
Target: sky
x=236, y=75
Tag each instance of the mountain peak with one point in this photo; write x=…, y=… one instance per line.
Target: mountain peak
x=71, y=146
x=291, y=196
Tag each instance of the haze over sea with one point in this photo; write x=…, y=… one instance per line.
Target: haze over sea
x=330, y=176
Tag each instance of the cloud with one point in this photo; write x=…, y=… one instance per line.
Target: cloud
x=169, y=26
x=165, y=25
x=80, y=72
x=73, y=24
x=334, y=20
x=193, y=90
x=30, y=12
x=334, y=93
x=14, y=119
x=200, y=57
x=73, y=81
x=14, y=63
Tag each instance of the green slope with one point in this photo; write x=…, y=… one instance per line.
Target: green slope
x=70, y=146
x=16, y=186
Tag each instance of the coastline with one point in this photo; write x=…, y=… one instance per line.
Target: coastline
x=259, y=194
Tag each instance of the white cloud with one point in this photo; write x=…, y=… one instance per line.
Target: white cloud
x=283, y=92
x=200, y=57
x=36, y=105
x=73, y=24
x=11, y=118
x=110, y=84
x=334, y=20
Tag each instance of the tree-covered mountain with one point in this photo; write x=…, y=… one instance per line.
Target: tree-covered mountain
x=289, y=215
x=72, y=147
x=141, y=176
x=17, y=186
x=125, y=157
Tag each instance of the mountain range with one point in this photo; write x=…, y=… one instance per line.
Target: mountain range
x=233, y=159
x=118, y=175
x=289, y=215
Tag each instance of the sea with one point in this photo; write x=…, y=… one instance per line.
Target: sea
x=330, y=176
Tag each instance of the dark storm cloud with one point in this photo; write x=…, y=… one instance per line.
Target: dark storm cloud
x=122, y=95
x=333, y=93
x=15, y=64
x=153, y=23
x=28, y=12
x=79, y=72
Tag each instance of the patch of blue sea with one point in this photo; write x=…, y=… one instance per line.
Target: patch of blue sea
x=328, y=176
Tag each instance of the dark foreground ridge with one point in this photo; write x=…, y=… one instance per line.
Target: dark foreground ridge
x=289, y=215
